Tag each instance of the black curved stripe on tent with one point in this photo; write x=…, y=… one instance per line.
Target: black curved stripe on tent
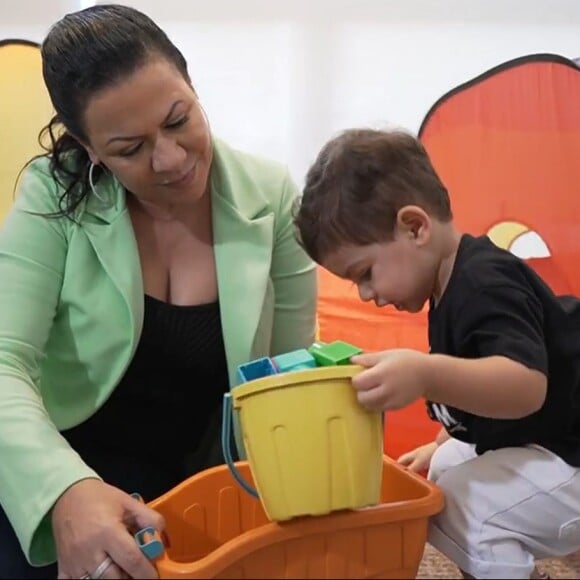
x=530, y=58
x=18, y=41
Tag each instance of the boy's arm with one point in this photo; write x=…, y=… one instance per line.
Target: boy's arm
x=502, y=364
x=495, y=386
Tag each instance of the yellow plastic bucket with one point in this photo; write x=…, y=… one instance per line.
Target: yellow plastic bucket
x=311, y=447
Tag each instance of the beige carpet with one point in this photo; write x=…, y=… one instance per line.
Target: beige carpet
x=435, y=565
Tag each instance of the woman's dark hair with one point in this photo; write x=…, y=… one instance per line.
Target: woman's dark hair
x=86, y=52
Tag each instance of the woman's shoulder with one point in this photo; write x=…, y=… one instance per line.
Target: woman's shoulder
x=42, y=187
x=38, y=188
x=241, y=176
x=41, y=168
x=254, y=164
x=38, y=166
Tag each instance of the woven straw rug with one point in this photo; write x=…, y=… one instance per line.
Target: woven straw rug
x=435, y=565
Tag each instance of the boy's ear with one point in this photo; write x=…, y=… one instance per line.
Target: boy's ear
x=414, y=222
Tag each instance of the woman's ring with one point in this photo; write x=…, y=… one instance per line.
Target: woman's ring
x=100, y=570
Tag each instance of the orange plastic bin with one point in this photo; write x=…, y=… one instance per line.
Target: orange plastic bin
x=217, y=530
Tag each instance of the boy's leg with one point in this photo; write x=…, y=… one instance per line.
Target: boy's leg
x=449, y=454
x=536, y=575
x=506, y=508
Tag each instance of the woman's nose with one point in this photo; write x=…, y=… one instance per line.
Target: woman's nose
x=168, y=156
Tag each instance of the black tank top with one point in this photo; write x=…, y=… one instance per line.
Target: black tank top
x=167, y=407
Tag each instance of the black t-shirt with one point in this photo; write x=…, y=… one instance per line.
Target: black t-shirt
x=495, y=304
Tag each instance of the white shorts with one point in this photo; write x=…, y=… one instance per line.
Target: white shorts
x=504, y=509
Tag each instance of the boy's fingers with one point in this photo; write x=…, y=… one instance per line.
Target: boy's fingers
x=373, y=400
x=415, y=466
x=406, y=458
x=366, y=379
x=367, y=359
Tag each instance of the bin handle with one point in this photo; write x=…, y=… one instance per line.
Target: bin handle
x=227, y=421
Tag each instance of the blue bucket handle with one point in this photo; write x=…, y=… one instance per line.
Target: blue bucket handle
x=227, y=421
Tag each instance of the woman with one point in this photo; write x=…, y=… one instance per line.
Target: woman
x=142, y=262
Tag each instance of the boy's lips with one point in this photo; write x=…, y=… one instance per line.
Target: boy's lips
x=382, y=303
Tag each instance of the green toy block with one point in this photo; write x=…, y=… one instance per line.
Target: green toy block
x=334, y=353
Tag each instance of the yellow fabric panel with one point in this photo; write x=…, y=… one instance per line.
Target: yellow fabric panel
x=24, y=109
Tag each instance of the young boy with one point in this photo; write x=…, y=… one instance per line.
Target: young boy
x=503, y=373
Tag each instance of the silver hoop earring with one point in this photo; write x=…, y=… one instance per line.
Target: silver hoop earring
x=92, y=185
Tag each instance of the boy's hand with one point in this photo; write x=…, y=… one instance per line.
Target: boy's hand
x=392, y=380
x=419, y=459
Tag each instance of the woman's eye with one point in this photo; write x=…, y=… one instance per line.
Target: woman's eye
x=179, y=123
x=132, y=151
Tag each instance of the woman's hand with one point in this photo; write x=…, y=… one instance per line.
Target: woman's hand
x=93, y=524
x=419, y=459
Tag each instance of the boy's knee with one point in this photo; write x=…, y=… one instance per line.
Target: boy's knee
x=454, y=483
x=463, y=530
x=438, y=466
x=447, y=455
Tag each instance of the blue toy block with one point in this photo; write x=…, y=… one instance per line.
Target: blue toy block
x=256, y=369
x=296, y=360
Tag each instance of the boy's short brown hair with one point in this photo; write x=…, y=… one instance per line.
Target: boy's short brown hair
x=357, y=185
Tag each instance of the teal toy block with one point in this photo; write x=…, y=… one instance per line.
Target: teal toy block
x=334, y=353
x=256, y=369
x=297, y=360
x=150, y=543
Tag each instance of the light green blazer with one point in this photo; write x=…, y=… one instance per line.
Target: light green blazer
x=71, y=312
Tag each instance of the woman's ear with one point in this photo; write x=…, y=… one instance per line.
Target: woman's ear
x=413, y=222
x=92, y=155
x=90, y=151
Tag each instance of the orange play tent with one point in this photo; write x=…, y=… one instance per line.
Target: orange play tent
x=507, y=145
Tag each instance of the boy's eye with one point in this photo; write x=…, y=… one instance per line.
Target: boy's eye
x=365, y=276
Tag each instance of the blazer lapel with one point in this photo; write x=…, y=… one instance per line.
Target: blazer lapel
x=108, y=228
x=242, y=252
x=243, y=241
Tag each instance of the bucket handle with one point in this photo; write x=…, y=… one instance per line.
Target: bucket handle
x=227, y=421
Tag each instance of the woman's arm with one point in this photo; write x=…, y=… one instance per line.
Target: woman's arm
x=37, y=464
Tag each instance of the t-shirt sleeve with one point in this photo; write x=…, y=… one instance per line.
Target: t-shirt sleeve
x=503, y=321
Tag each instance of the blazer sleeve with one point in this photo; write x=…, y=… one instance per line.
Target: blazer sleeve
x=294, y=277
x=37, y=465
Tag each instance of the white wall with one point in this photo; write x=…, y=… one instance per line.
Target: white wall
x=30, y=19
x=280, y=77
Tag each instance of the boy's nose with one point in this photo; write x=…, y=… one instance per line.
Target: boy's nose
x=366, y=294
